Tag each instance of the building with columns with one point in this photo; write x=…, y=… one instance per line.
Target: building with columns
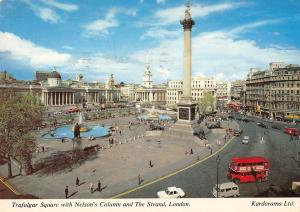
x=128, y=92
x=53, y=92
x=149, y=93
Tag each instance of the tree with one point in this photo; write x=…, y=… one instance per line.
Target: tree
x=206, y=102
x=20, y=115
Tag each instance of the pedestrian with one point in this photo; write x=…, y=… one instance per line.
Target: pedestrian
x=211, y=150
x=120, y=132
x=150, y=164
x=77, y=181
x=191, y=152
x=43, y=148
x=139, y=179
x=99, y=185
x=67, y=192
x=91, y=185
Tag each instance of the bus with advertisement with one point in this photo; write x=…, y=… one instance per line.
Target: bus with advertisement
x=248, y=169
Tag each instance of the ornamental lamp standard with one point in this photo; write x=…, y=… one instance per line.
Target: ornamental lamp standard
x=218, y=160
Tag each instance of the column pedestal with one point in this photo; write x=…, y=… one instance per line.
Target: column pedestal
x=186, y=124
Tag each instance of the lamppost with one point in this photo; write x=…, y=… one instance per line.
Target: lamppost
x=218, y=160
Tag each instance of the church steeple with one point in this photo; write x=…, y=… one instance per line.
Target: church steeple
x=147, y=82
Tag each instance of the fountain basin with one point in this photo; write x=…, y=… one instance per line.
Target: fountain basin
x=160, y=117
x=83, y=129
x=67, y=132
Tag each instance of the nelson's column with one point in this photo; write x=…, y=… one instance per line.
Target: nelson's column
x=186, y=123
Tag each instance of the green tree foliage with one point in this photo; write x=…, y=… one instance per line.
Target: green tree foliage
x=19, y=116
x=206, y=102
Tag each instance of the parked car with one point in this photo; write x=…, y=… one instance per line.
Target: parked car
x=276, y=127
x=262, y=125
x=238, y=132
x=245, y=140
x=214, y=125
x=291, y=131
x=156, y=127
x=171, y=192
x=73, y=110
x=229, y=189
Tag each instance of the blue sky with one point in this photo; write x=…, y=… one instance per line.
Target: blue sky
x=99, y=38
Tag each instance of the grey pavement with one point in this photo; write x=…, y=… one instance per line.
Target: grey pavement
x=118, y=166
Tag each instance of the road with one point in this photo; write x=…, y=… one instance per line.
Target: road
x=198, y=181
x=5, y=192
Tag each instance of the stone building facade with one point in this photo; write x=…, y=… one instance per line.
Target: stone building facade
x=199, y=85
x=55, y=93
x=149, y=93
x=274, y=93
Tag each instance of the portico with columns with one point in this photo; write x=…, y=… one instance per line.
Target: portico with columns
x=58, y=97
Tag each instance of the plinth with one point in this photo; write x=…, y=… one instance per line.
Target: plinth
x=186, y=124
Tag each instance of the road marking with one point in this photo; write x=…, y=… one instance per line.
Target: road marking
x=174, y=173
x=9, y=186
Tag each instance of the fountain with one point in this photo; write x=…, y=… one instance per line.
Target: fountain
x=66, y=131
x=83, y=128
x=153, y=115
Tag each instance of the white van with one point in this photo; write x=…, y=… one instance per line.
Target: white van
x=229, y=189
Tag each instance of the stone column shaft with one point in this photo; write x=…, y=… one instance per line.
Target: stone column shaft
x=187, y=64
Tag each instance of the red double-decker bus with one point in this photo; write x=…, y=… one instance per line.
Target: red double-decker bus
x=248, y=169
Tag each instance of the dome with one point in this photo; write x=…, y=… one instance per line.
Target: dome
x=54, y=74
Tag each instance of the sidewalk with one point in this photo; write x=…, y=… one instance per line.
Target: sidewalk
x=117, y=167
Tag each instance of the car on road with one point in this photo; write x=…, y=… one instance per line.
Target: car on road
x=238, y=132
x=262, y=125
x=291, y=131
x=229, y=189
x=276, y=127
x=246, y=120
x=171, y=192
x=245, y=140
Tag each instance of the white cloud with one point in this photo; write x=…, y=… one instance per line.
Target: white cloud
x=161, y=33
x=247, y=27
x=162, y=73
x=67, y=47
x=99, y=67
x=160, y=1
x=28, y=52
x=100, y=27
x=173, y=15
x=48, y=15
x=141, y=1
x=62, y=6
x=220, y=54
